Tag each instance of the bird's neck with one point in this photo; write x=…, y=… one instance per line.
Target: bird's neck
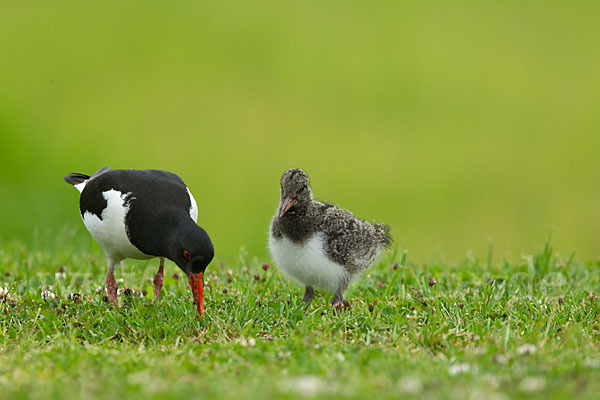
x=296, y=227
x=163, y=233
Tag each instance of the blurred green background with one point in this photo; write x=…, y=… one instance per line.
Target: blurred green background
x=453, y=122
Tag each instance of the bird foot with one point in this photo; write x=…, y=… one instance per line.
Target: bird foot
x=338, y=306
x=158, y=283
x=309, y=294
x=111, y=291
x=112, y=287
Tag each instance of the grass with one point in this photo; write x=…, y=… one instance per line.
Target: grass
x=479, y=329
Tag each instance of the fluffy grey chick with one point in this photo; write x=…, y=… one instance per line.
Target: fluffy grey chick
x=318, y=244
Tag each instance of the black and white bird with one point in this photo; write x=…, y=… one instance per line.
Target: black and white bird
x=318, y=244
x=143, y=214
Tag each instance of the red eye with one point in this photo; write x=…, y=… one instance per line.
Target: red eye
x=187, y=255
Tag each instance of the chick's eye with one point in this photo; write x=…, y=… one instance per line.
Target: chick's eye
x=187, y=255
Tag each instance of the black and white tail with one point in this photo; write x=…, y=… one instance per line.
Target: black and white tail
x=77, y=180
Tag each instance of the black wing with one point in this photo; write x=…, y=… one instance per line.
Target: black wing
x=147, y=191
x=156, y=200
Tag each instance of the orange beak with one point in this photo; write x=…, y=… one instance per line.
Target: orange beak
x=197, y=285
x=286, y=205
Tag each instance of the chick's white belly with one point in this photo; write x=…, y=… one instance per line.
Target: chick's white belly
x=308, y=262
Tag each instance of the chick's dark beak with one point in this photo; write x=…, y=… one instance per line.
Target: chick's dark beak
x=286, y=205
x=197, y=285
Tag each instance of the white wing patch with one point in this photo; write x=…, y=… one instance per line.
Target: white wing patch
x=307, y=263
x=110, y=231
x=193, y=207
x=81, y=186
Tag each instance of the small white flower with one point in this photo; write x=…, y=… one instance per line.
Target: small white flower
x=3, y=291
x=250, y=342
x=501, y=359
x=77, y=297
x=46, y=294
x=457, y=369
x=526, y=350
x=533, y=384
x=60, y=275
x=591, y=362
x=306, y=386
x=410, y=385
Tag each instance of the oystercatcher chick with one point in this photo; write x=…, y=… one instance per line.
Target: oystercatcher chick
x=321, y=245
x=143, y=214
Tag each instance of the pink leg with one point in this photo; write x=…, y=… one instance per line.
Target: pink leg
x=111, y=287
x=158, y=280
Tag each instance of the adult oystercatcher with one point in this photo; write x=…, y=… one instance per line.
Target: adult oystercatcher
x=318, y=244
x=143, y=214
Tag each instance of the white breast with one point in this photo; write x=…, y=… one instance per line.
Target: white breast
x=110, y=231
x=307, y=263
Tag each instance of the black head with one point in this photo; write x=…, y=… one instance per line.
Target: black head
x=295, y=192
x=193, y=249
